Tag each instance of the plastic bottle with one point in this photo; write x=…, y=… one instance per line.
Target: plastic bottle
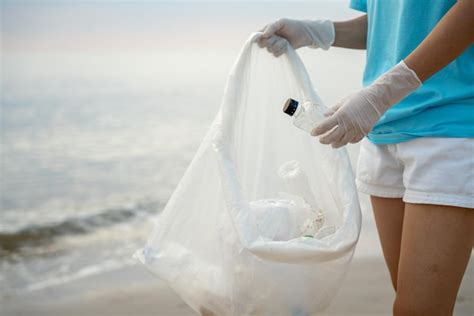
x=298, y=187
x=305, y=116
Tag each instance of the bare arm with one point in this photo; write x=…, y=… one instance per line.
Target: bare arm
x=451, y=36
x=351, y=33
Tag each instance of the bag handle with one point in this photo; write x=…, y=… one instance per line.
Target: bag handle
x=290, y=60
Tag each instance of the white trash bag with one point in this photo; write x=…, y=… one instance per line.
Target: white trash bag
x=266, y=219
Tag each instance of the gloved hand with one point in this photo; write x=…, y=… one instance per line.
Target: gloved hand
x=299, y=33
x=355, y=116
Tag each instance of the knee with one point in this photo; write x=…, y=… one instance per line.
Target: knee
x=412, y=307
x=403, y=308
x=394, y=283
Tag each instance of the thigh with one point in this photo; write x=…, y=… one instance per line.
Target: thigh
x=388, y=214
x=435, y=250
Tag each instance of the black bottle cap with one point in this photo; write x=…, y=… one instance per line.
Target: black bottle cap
x=290, y=107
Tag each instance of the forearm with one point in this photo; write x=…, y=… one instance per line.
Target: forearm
x=451, y=36
x=352, y=33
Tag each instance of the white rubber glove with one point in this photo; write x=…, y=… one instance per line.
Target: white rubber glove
x=355, y=116
x=299, y=33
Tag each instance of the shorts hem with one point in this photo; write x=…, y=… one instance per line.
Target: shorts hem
x=417, y=197
x=380, y=191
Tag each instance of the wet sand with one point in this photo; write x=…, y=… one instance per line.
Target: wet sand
x=135, y=291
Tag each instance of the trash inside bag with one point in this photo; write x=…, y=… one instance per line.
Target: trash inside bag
x=266, y=219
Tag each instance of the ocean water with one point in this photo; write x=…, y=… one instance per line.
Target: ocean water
x=103, y=105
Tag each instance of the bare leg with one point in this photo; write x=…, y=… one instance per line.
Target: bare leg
x=436, y=247
x=388, y=213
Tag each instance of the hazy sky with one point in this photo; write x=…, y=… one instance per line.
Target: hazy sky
x=149, y=25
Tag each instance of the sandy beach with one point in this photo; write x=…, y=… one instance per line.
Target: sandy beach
x=135, y=291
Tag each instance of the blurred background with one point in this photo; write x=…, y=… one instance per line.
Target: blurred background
x=103, y=104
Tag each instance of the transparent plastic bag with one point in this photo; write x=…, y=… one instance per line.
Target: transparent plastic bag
x=265, y=219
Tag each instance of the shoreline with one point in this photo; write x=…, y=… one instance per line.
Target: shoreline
x=133, y=290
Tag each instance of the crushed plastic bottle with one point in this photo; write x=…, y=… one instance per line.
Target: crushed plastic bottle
x=312, y=225
x=310, y=215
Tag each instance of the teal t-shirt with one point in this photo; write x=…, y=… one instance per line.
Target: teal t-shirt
x=444, y=105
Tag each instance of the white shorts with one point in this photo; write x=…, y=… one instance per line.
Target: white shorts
x=423, y=171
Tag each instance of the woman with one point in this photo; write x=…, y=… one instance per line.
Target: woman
x=417, y=111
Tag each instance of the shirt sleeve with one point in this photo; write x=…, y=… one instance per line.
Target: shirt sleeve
x=359, y=5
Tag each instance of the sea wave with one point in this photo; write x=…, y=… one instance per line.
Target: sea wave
x=40, y=234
